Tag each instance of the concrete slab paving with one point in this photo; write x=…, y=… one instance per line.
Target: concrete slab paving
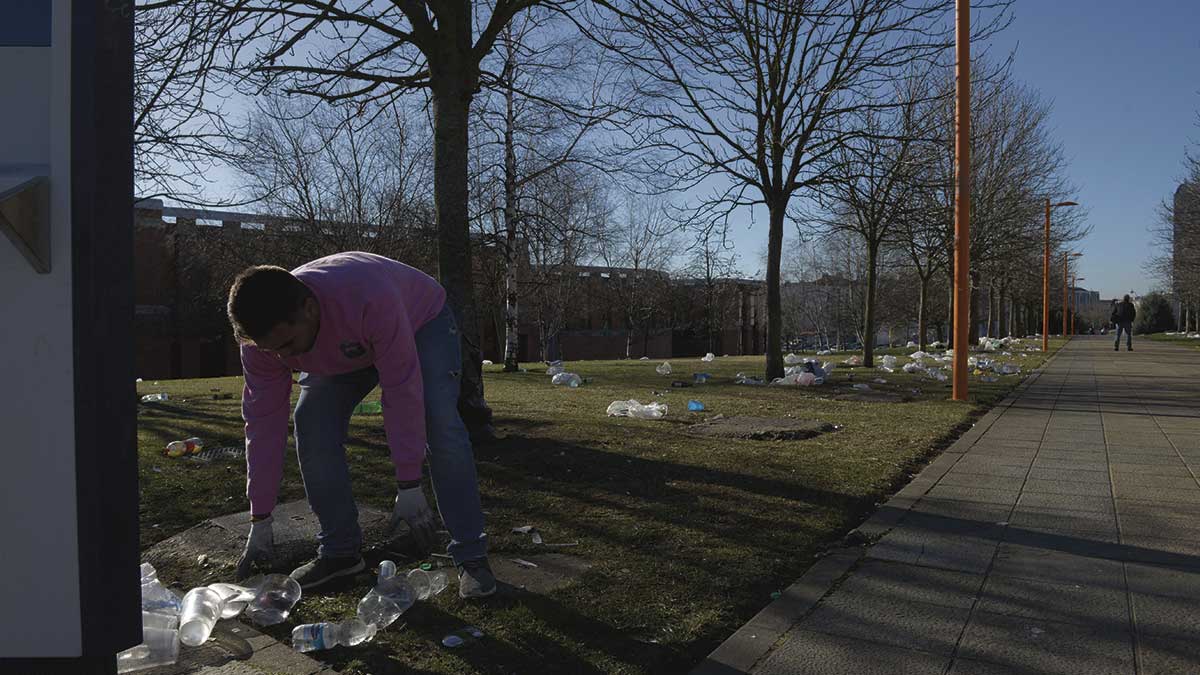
x=1061, y=536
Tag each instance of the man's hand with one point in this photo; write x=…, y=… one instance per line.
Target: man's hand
x=260, y=547
x=412, y=508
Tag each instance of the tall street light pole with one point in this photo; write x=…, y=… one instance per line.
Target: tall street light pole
x=1046, y=277
x=962, y=197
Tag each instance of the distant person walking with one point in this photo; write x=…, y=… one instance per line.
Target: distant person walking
x=1123, y=315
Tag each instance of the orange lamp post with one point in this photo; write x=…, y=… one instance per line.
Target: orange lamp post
x=962, y=197
x=1046, y=277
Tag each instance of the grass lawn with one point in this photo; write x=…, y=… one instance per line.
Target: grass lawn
x=687, y=537
x=1181, y=340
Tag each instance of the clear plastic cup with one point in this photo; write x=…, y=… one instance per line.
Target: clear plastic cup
x=235, y=597
x=160, y=621
x=160, y=647
x=201, y=608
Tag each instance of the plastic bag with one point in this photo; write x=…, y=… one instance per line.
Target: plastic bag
x=791, y=359
x=888, y=363
x=708, y=357
x=567, y=380
x=663, y=368
x=855, y=360
x=632, y=408
x=913, y=367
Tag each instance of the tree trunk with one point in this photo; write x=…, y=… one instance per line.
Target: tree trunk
x=869, y=307
x=1004, y=328
x=776, y=208
x=973, y=313
x=511, y=331
x=991, y=314
x=451, y=103
x=950, y=305
x=922, y=310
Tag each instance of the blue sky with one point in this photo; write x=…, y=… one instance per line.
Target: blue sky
x=1124, y=79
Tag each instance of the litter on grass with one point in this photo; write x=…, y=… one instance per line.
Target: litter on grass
x=530, y=530
x=663, y=368
x=633, y=408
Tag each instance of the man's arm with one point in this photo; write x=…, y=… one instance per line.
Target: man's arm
x=266, y=404
x=390, y=333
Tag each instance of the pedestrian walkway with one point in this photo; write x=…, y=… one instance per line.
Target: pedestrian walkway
x=1060, y=535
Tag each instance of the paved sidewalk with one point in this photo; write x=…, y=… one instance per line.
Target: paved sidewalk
x=1061, y=535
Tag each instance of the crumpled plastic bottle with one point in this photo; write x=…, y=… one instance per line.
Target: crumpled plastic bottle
x=391, y=597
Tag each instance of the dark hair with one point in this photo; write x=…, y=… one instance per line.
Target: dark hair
x=1126, y=298
x=262, y=297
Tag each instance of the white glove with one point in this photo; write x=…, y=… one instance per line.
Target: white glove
x=260, y=547
x=412, y=508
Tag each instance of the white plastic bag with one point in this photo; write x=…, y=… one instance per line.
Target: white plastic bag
x=663, y=368
x=632, y=408
x=913, y=367
x=567, y=380
x=708, y=357
x=791, y=359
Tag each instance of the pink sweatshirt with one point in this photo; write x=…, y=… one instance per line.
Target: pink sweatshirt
x=371, y=309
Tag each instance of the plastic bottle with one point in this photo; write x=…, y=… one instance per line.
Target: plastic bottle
x=190, y=446
x=390, y=598
x=368, y=407
x=312, y=637
x=201, y=608
x=276, y=595
x=427, y=583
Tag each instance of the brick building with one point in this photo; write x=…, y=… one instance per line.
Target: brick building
x=186, y=258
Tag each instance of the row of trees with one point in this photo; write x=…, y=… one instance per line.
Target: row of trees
x=835, y=115
x=1177, y=267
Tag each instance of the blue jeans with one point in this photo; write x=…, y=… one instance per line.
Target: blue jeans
x=1128, y=328
x=323, y=420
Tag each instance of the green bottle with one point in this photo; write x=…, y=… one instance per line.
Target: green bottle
x=368, y=407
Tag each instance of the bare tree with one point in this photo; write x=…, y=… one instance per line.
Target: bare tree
x=758, y=93
x=1015, y=166
x=873, y=180
x=536, y=119
x=333, y=183
x=711, y=262
x=375, y=53
x=567, y=217
x=182, y=128
x=640, y=248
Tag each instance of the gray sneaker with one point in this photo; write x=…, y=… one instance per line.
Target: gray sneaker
x=475, y=579
x=324, y=570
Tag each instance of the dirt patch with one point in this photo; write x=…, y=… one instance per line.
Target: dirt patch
x=761, y=428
